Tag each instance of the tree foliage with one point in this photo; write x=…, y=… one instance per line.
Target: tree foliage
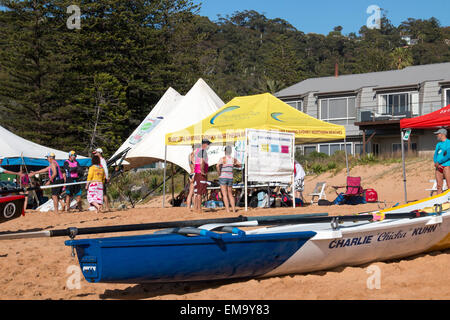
x=88, y=87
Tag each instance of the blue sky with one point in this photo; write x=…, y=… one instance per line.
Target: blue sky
x=321, y=16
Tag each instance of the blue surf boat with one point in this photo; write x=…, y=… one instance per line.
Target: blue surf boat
x=213, y=249
x=177, y=257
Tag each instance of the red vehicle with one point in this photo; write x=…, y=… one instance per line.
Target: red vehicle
x=11, y=207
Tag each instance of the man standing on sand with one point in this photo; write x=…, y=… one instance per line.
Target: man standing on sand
x=200, y=174
x=99, y=152
x=442, y=159
x=191, y=180
x=299, y=180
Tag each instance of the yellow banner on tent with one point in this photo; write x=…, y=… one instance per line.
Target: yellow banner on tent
x=262, y=111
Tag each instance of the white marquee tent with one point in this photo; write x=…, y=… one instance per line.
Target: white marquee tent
x=164, y=106
x=198, y=103
x=18, y=151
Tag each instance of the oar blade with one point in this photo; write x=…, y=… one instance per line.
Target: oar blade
x=25, y=235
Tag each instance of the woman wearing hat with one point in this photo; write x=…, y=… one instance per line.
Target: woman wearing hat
x=73, y=172
x=55, y=176
x=442, y=159
x=94, y=186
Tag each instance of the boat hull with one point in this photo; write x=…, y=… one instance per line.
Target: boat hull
x=368, y=242
x=11, y=207
x=174, y=257
x=264, y=252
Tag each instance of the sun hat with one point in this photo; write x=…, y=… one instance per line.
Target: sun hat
x=72, y=153
x=206, y=141
x=99, y=150
x=50, y=155
x=442, y=130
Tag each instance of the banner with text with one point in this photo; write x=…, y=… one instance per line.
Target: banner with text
x=270, y=156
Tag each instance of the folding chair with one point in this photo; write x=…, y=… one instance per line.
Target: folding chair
x=353, y=188
x=319, y=191
x=434, y=187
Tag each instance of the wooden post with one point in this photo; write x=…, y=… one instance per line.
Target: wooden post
x=409, y=147
x=364, y=143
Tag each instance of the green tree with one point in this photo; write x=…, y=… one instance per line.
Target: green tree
x=33, y=64
x=401, y=58
x=104, y=105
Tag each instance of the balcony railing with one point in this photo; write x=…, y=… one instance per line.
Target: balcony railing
x=368, y=114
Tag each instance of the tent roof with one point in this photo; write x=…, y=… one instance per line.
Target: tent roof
x=262, y=111
x=164, y=106
x=14, y=148
x=199, y=102
x=436, y=119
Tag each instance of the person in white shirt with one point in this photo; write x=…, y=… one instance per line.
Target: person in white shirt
x=99, y=152
x=299, y=180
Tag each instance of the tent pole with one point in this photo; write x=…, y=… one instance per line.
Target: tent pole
x=173, y=183
x=404, y=168
x=164, y=182
x=246, y=171
x=346, y=156
x=293, y=175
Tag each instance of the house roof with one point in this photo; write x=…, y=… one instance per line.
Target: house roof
x=408, y=76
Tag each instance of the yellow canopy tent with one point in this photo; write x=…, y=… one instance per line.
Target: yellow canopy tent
x=262, y=111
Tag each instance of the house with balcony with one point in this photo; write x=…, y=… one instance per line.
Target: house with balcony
x=371, y=105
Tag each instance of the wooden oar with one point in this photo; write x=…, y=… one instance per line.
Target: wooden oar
x=261, y=221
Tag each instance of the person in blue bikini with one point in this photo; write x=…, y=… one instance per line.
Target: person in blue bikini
x=442, y=159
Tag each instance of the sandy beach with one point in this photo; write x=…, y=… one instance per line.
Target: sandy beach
x=39, y=269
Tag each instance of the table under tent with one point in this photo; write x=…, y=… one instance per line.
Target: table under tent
x=229, y=124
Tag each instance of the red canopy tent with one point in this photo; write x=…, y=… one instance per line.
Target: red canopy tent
x=433, y=120
x=436, y=119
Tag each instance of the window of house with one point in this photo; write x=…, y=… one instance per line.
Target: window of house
x=397, y=147
x=297, y=104
x=359, y=149
x=447, y=97
x=375, y=148
x=340, y=111
x=331, y=148
x=399, y=104
x=308, y=149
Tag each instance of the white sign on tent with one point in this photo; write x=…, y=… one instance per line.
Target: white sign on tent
x=270, y=156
